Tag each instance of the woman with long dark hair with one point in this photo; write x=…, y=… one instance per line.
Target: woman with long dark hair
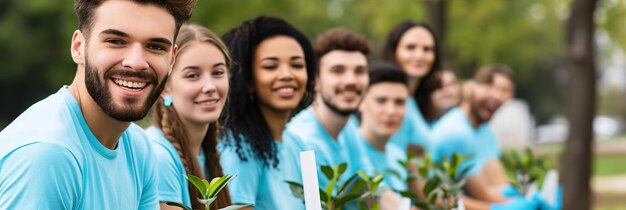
x=273, y=75
x=415, y=48
x=184, y=134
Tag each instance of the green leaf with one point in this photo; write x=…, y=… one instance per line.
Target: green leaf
x=197, y=182
x=341, y=201
x=235, y=207
x=423, y=172
x=342, y=168
x=376, y=180
x=422, y=205
x=431, y=185
x=297, y=190
x=409, y=194
x=324, y=197
x=220, y=184
x=169, y=203
x=432, y=199
x=328, y=171
x=351, y=181
x=363, y=176
x=206, y=201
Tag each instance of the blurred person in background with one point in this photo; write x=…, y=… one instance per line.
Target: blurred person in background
x=184, y=134
x=271, y=80
x=415, y=48
x=445, y=97
x=464, y=130
x=381, y=114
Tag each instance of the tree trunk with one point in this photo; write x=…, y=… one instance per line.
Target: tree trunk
x=436, y=16
x=577, y=161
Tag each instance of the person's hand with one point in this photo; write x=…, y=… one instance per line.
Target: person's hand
x=389, y=200
x=516, y=203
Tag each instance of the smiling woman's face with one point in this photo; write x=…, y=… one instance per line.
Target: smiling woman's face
x=279, y=73
x=198, y=84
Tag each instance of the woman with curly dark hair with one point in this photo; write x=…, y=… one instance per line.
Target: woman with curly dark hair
x=271, y=80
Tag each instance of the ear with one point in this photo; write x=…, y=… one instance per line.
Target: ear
x=173, y=59
x=316, y=84
x=77, y=47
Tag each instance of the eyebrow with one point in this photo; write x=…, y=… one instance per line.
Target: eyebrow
x=276, y=59
x=115, y=32
x=198, y=67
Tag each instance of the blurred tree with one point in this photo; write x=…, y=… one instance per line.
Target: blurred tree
x=581, y=92
x=35, y=39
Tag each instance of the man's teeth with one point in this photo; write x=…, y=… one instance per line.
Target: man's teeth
x=286, y=90
x=129, y=84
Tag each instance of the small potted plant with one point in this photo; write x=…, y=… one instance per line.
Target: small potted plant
x=209, y=191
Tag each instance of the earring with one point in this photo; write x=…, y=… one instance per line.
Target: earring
x=167, y=101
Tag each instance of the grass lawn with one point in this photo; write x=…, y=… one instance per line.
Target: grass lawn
x=609, y=165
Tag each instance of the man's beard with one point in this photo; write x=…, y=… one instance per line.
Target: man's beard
x=343, y=112
x=131, y=110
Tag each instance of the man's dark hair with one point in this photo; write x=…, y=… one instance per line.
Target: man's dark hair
x=485, y=74
x=339, y=39
x=180, y=9
x=385, y=71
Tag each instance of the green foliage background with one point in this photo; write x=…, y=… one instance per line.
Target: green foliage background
x=528, y=35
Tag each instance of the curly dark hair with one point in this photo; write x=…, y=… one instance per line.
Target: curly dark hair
x=245, y=122
x=429, y=82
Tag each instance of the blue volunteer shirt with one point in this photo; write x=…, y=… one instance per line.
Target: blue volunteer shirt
x=414, y=129
x=386, y=163
x=173, y=186
x=310, y=134
x=454, y=133
x=262, y=186
x=50, y=159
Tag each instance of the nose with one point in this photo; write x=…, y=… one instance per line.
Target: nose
x=350, y=77
x=209, y=87
x=286, y=73
x=135, y=58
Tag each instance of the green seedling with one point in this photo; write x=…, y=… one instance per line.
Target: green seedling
x=209, y=191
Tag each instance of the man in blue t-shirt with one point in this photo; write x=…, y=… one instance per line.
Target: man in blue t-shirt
x=339, y=88
x=463, y=130
x=77, y=149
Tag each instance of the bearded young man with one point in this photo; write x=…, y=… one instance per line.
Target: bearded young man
x=77, y=149
x=339, y=88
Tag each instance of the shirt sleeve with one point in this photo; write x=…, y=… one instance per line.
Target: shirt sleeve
x=244, y=188
x=169, y=176
x=448, y=144
x=40, y=176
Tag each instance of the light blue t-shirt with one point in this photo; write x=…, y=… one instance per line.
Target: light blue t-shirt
x=386, y=163
x=493, y=149
x=311, y=135
x=260, y=185
x=454, y=133
x=414, y=129
x=173, y=186
x=50, y=159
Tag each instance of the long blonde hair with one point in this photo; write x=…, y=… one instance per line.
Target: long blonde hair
x=168, y=120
